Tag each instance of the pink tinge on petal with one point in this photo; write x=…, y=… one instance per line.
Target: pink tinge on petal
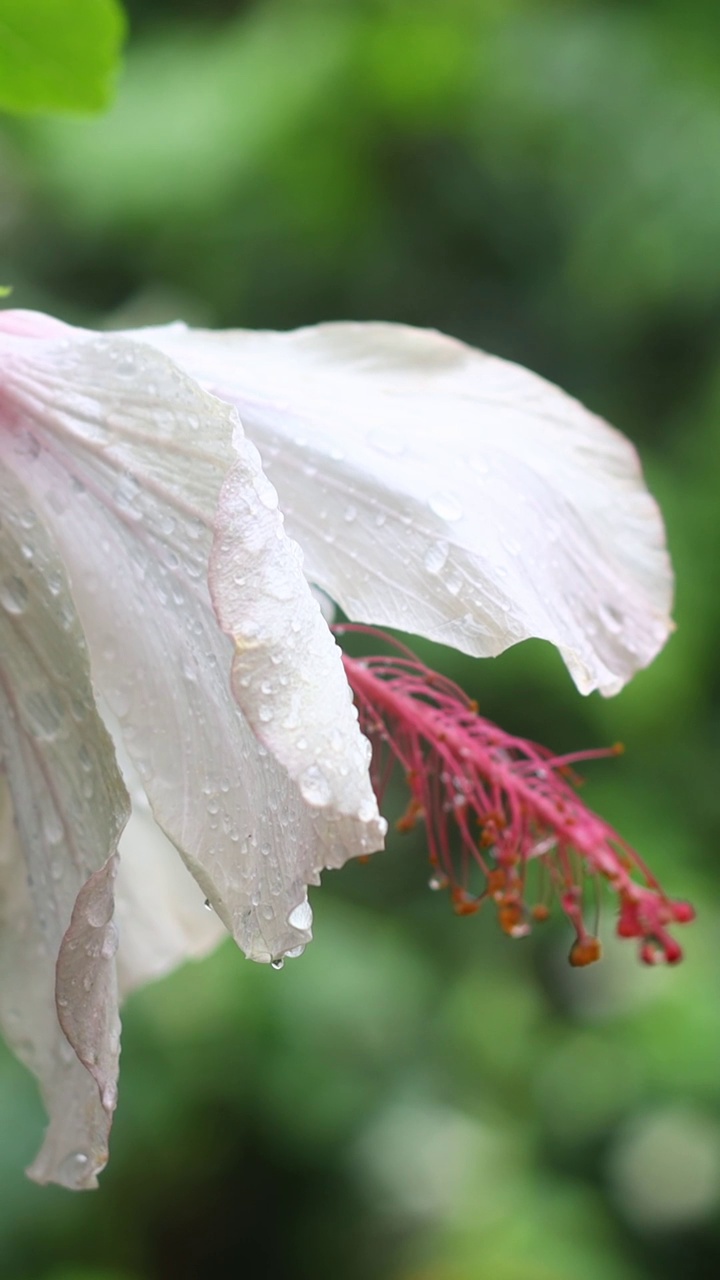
x=86, y=984
x=503, y=819
x=32, y=324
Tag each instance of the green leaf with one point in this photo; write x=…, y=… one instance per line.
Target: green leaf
x=59, y=55
x=5, y=290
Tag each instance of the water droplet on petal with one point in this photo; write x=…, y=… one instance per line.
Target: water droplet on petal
x=277, y=964
x=314, y=786
x=45, y=714
x=110, y=942
x=367, y=809
x=74, y=1168
x=436, y=557
x=126, y=366
x=109, y=1097
x=13, y=595
x=301, y=916
x=446, y=505
x=610, y=618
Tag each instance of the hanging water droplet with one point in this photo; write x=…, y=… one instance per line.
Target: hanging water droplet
x=279, y=963
x=208, y=905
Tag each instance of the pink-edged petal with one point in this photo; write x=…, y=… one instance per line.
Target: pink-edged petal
x=449, y=493
x=127, y=459
x=58, y=997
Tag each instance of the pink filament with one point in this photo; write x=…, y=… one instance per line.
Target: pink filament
x=497, y=807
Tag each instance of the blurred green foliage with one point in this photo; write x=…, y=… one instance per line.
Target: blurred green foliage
x=58, y=55
x=419, y=1098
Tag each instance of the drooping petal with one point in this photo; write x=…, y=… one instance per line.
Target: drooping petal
x=293, y=691
x=449, y=493
x=58, y=997
x=160, y=910
x=127, y=459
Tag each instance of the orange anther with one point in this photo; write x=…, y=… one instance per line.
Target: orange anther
x=585, y=951
x=512, y=920
x=463, y=904
x=410, y=817
x=496, y=881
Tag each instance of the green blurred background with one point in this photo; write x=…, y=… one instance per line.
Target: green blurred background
x=420, y=1098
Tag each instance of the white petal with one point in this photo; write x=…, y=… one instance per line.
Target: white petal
x=58, y=998
x=160, y=910
x=287, y=672
x=448, y=493
x=127, y=459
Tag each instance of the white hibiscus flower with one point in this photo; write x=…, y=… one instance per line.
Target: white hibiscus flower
x=156, y=553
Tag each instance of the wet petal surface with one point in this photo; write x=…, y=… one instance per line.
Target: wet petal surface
x=449, y=493
x=127, y=459
x=57, y=840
